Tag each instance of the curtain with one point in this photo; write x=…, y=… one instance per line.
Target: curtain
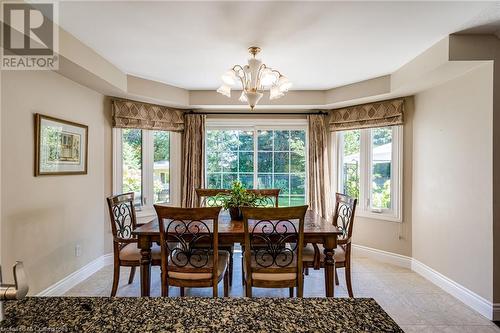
x=131, y=114
x=378, y=114
x=319, y=176
x=193, y=158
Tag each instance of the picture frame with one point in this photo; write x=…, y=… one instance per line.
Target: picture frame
x=61, y=147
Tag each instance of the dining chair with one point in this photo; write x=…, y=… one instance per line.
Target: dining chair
x=208, y=197
x=125, y=251
x=343, y=217
x=274, y=239
x=183, y=262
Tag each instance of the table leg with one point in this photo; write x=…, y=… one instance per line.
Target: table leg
x=145, y=246
x=329, y=251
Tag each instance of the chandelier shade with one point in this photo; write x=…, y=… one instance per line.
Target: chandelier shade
x=224, y=90
x=255, y=78
x=229, y=78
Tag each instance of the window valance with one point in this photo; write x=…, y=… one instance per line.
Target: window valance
x=378, y=114
x=131, y=114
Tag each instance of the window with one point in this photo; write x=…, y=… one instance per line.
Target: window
x=143, y=165
x=369, y=164
x=282, y=164
x=260, y=157
x=132, y=163
x=230, y=157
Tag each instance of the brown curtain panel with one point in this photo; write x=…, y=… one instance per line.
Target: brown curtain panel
x=131, y=114
x=193, y=158
x=319, y=176
x=378, y=114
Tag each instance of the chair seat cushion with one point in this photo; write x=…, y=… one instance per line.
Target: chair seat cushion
x=288, y=260
x=274, y=276
x=179, y=274
x=132, y=253
x=308, y=253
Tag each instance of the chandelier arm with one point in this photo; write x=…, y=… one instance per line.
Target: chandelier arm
x=237, y=67
x=240, y=68
x=276, y=71
x=243, y=81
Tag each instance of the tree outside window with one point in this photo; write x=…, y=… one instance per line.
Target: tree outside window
x=259, y=159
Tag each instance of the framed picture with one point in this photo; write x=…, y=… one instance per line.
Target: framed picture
x=61, y=147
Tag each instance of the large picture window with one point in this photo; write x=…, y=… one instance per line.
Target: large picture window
x=369, y=164
x=143, y=166
x=260, y=157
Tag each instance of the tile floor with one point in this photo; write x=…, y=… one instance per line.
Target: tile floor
x=413, y=302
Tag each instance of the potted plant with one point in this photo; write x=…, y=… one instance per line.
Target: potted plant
x=238, y=197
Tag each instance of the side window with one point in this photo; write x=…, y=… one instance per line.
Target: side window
x=369, y=169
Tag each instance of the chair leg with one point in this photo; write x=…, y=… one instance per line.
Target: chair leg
x=231, y=264
x=300, y=288
x=182, y=291
x=348, y=279
x=248, y=289
x=336, y=277
x=116, y=279
x=164, y=285
x=306, y=271
x=291, y=291
x=226, y=284
x=242, y=270
x=132, y=274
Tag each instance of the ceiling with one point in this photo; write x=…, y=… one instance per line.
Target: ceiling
x=318, y=45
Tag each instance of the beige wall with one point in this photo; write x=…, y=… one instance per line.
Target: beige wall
x=1, y=159
x=496, y=177
x=487, y=47
x=44, y=218
x=452, y=180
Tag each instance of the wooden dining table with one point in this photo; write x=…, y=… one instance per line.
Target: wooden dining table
x=316, y=230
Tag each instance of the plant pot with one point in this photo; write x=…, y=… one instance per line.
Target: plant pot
x=235, y=213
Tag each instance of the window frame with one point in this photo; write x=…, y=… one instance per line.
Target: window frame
x=147, y=208
x=256, y=125
x=366, y=166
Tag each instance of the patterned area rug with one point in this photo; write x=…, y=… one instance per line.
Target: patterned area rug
x=93, y=314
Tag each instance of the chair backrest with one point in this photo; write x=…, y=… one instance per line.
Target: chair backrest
x=208, y=197
x=122, y=216
x=343, y=216
x=274, y=238
x=268, y=197
x=189, y=238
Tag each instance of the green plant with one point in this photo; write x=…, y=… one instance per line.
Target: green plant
x=237, y=197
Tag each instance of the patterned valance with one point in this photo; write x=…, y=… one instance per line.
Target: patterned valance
x=378, y=114
x=131, y=114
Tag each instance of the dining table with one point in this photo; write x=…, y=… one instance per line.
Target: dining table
x=316, y=230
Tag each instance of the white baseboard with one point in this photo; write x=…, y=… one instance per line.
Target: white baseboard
x=470, y=298
x=483, y=306
x=61, y=287
x=384, y=256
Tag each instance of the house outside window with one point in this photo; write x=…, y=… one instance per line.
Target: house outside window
x=143, y=162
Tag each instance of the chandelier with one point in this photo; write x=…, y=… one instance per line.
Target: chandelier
x=255, y=78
